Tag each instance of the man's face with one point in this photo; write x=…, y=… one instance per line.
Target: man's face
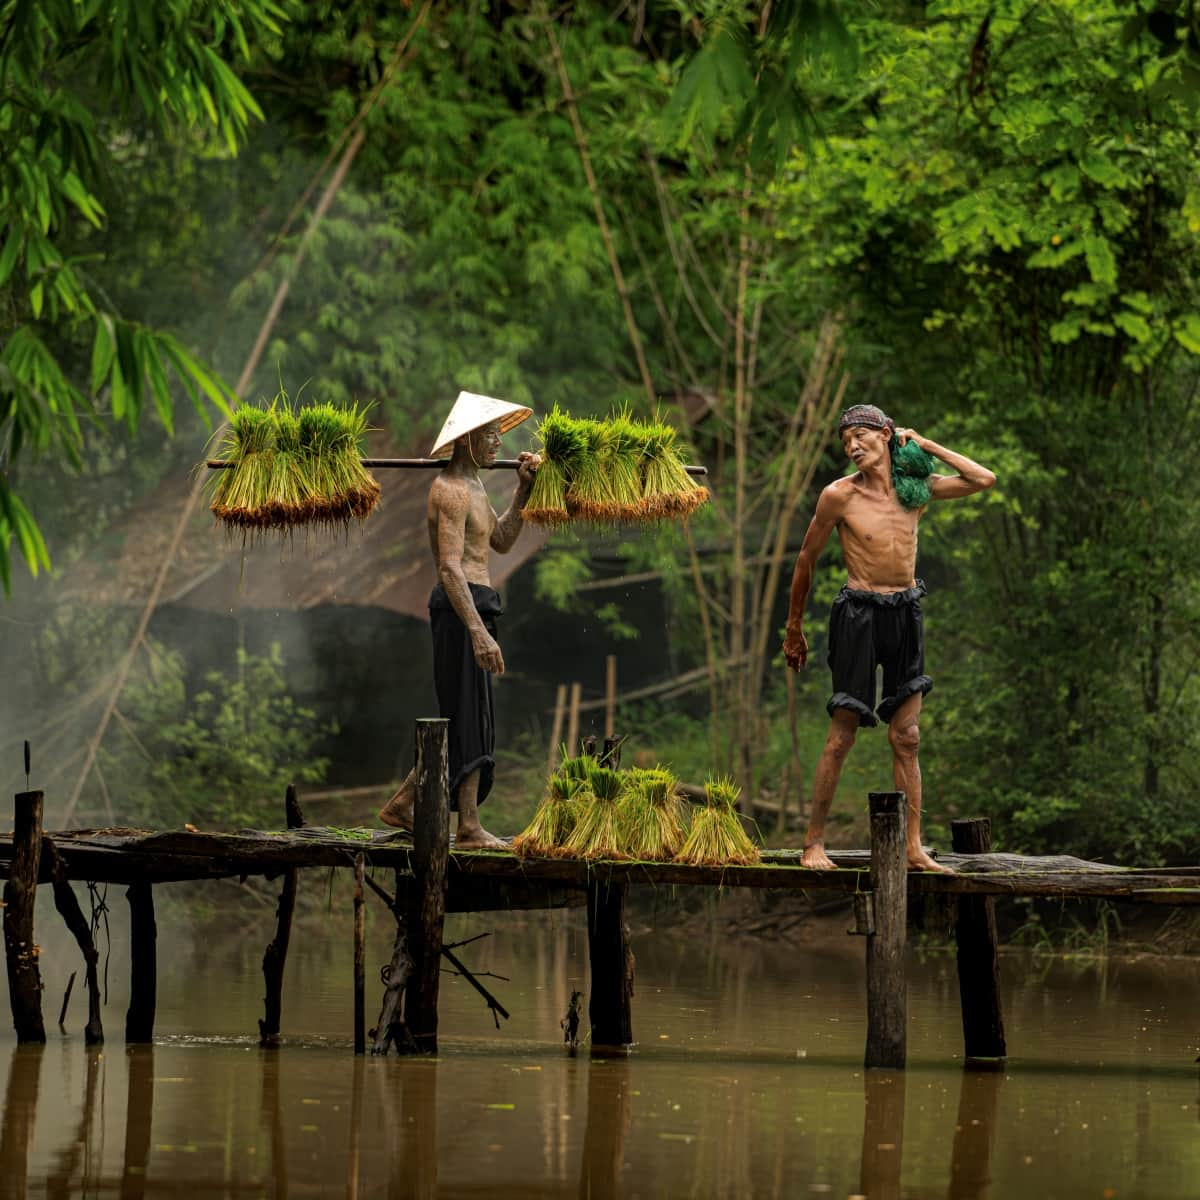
x=484, y=443
x=865, y=447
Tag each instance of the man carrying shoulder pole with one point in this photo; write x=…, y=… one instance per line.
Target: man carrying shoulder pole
x=876, y=619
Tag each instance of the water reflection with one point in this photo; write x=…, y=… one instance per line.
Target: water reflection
x=20, y=1108
x=746, y=1084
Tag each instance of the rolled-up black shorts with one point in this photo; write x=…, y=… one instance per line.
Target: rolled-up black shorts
x=874, y=629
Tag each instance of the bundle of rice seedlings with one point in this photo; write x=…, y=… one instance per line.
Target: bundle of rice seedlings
x=596, y=833
x=547, y=833
x=716, y=836
x=289, y=499
x=622, y=464
x=651, y=815
x=667, y=489
x=242, y=492
x=590, y=494
x=562, y=442
x=339, y=488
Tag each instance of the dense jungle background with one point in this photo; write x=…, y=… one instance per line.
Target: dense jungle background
x=982, y=216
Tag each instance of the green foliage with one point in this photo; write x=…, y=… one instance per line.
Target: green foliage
x=219, y=756
x=148, y=70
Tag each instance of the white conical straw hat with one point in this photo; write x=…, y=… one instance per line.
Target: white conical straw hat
x=472, y=411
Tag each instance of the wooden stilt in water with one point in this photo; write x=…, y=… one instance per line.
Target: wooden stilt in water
x=610, y=1005
x=143, y=971
x=978, y=963
x=360, y=957
x=20, y=893
x=390, y=1029
x=68, y=907
x=431, y=852
x=886, y=985
x=275, y=957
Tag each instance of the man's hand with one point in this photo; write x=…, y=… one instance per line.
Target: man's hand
x=487, y=652
x=911, y=435
x=795, y=648
x=527, y=469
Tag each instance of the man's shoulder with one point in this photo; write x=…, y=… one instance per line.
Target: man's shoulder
x=835, y=496
x=449, y=492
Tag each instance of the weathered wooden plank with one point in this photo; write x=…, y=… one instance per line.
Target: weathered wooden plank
x=887, y=987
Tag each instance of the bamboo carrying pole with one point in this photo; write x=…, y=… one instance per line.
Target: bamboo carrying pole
x=886, y=1004
x=978, y=962
x=430, y=464
x=20, y=894
x=430, y=855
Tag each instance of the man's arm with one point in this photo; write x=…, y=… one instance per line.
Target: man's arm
x=453, y=503
x=508, y=527
x=971, y=477
x=828, y=513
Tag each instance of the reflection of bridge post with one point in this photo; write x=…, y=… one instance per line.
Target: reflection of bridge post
x=271, y=1110
x=883, y=1134
x=609, y=1115
x=974, y=1135
x=60, y=1181
x=413, y=1164
x=139, y=1109
x=16, y=1122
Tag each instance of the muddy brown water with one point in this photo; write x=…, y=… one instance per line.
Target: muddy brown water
x=746, y=1081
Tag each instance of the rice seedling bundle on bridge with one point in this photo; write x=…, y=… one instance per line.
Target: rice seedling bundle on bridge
x=292, y=467
x=546, y=835
x=716, y=836
x=652, y=815
x=618, y=471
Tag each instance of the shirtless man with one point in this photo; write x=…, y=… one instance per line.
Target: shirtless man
x=876, y=618
x=463, y=607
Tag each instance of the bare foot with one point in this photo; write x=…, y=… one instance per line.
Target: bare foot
x=477, y=838
x=814, y=856
x=918, y=860
x=398, y=811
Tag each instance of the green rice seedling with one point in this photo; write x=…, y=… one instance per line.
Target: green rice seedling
x=622, y=464
x=667, y=489
x=650, y=815
x=574, y=768
x=547, y=833
x=288, y=488
x=340, y=489
x=242, y=492
x=562, y=442
x=596, y=834
x=590, y=494
x=716, y=837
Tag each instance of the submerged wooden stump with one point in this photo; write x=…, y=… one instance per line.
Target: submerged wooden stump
x=610, y=1005
x=431, y=852
x=978, y=963
x=886, y=985
x=20, y=893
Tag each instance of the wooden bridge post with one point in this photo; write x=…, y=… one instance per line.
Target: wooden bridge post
x=20, y=893
x=610, y=1005
x=978, y=963
x=68, y=908
x=360, y=957
x=431, y=853
x=886, y=985
x=275, y=956
x=143, y=963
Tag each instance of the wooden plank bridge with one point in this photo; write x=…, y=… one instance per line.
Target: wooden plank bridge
x=431, y=878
